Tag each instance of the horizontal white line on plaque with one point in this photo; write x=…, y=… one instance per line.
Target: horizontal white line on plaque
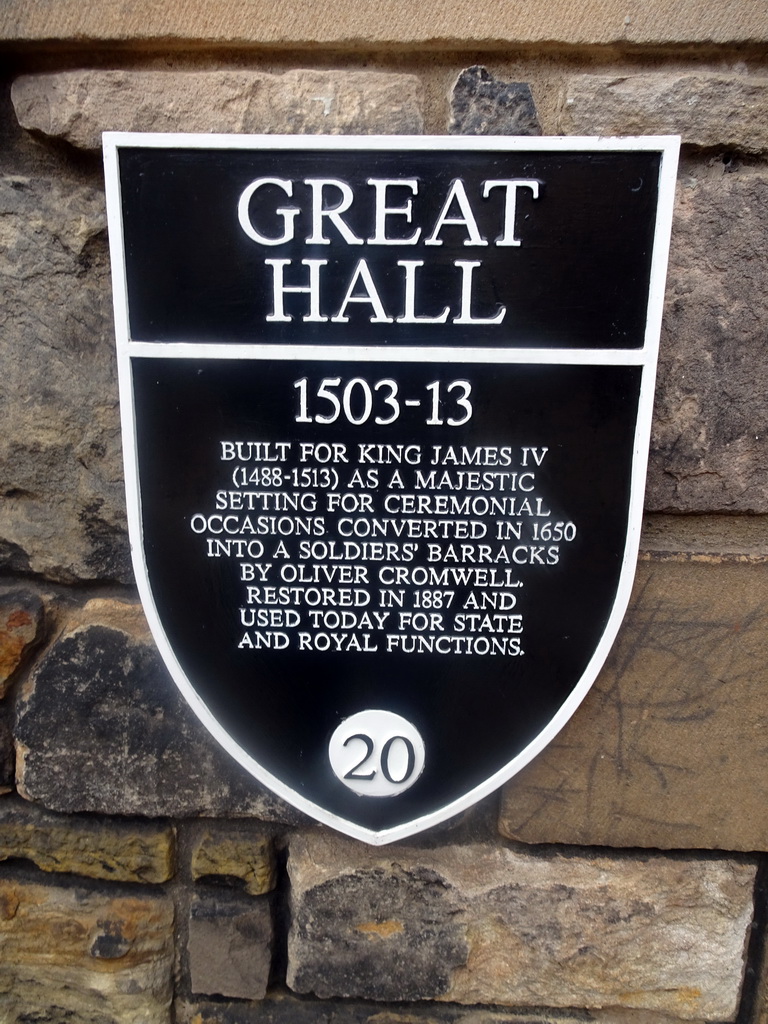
x=377, y=353
x=401, y=143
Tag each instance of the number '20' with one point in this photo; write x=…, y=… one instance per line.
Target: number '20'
x=376, y=753
x=388, y=761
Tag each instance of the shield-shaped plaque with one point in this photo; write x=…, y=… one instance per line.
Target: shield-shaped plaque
x=386, y=407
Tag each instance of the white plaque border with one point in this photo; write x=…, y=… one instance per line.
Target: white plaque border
x=646, y=357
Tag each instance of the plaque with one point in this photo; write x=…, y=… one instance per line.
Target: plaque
x=386, y=410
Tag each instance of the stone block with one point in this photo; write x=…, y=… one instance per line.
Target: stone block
x=63, y=510
x=668, y=748
x=706, y=539
x=116, y=851
x=102, y=727
x=78, y=106
x=348, y=25
x=283, y=1009
x=21, y=626
x=709, y=448
x=75, y=955
x=240, y=855
x=230, y=947
x=484, y=105
x=484, y=924
x=708, y=110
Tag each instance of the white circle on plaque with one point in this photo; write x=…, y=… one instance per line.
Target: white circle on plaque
x=377, y=753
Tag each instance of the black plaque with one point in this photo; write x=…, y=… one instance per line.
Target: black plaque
x=386, y=415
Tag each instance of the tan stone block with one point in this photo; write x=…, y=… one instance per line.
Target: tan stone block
x=483, y=924
x=348, y=24
x=668, y=749
x=116, y=851
x=235, y=854
x=68, y=954
x=79, y=105
x=729, y=111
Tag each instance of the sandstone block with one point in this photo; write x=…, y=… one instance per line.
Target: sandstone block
x=72, y=955
x=61, y=477
x=115, y=851
x=709, y=448
x=350, y=25
x=668, y=749
x=241, y=855
x=230, y=947
x=79, y=105
x=727, y=111
x=281, y=1009
x=483, y=924
x=21, y=622
x=101, y=727
x=484, y=105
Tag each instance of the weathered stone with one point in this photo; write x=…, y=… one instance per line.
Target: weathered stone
x=282, y=1009
x=350, y=25
x=79, y=105
x=75, y=955
x=116, y=851
x=482, y=924
x=230, y=947
x=705, y=538
x=484, y=105
x=710, y=430
x=241, y=855
x=7, y=758
x=61, y=478
x=102, y=727
x=727, y=111
x=21, y=622
x=668, y=749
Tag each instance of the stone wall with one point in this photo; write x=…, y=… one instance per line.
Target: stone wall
x=144, y=878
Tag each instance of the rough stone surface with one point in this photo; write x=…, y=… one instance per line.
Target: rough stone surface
x=102, y=727
x=488, y=924
x=116, y=851
x=61, y=482
x=710, y=431
x=79, y=105
x=230, y=947
x=70, y=955
x=727, y=111
x=705, y=538
x=668, y=749
x=348, y=24
x=21, y=623
x=243, y=856
x=288, y=1010
x=484, y=105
